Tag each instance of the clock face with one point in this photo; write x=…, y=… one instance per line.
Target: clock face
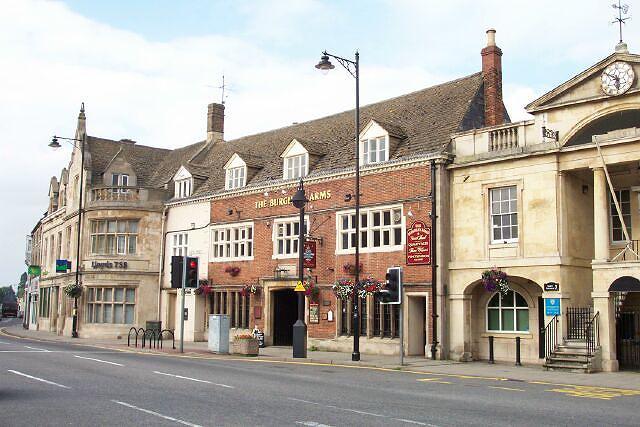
x=617, y=78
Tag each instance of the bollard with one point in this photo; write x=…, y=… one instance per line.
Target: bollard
x=518, y=352
x=491, y=360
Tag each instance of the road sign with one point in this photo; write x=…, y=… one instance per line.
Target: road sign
x=299, y=287
x=552, y=306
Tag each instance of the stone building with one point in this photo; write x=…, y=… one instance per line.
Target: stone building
x=532, y=199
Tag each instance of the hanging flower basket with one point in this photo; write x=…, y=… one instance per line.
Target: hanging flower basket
x=495, y=280
x=249, y=290
x=350, y=268
x=233, y=271
x=311, y=290
x=369, y=286
x=73, y=290
x=343, y=288
x=203, y=289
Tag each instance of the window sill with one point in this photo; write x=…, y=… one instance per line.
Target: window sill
x=371, y=250
x=232, y=259
x=507, y=335
x=292, y=256
x=504, y=244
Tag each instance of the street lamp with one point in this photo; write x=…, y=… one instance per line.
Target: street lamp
x=300, y=328
x=55, y=145
x=325, y=65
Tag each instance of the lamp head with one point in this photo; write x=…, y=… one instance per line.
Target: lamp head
x=299, y=199
x=54, y=143
x=325, y=65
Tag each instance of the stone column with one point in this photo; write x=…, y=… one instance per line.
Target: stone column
x=460, y=327
x=600, y=216
x=602, y=302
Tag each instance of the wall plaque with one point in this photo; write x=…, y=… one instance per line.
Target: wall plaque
x=314, y=313
x=419, y=244
x=551, y=286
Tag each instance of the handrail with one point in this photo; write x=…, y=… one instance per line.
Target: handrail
x=592, y=334
x=551, y=337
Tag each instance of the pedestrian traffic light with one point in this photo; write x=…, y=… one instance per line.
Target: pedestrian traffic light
x=392, y=292
x=192, y=273
x=177, y=270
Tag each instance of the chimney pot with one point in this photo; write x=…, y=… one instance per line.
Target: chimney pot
x=491, y=37
x=215, y=122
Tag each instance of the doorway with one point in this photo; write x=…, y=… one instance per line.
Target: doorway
x=285, y=314
x=628, y=330
x=417, y=325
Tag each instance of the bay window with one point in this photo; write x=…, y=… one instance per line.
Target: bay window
x=114, y=236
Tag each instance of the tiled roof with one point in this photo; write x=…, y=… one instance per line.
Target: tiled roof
x=426, y=118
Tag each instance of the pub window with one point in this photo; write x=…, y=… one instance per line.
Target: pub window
x=507, y=313
x=503, y=205
x=237, y=309
x=346, y=317
x=380, y=230
x=285, y=238
x=235, y=177
x=232, y=242
x=374, y=150
x=624, y=199
x=111, y=305
x=109, y=237
x=385, y=319
x=295, y=166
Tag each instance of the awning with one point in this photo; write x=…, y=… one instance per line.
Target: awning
x=625, y=284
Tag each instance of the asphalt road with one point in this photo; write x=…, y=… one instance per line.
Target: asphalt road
x=44, y=383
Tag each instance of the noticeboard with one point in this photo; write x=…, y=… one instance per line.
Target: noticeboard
x=552, y=307
x=314, y=313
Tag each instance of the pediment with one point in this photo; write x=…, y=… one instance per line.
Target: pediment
x=235, y=162
x=294, y=148
x=586, y=86
x=182, y=173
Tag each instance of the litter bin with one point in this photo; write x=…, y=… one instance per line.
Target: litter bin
x=219, y=333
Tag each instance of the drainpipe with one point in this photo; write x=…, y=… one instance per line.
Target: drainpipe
x=161, y=260
x=434, y=311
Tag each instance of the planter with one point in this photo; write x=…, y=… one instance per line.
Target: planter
x=248, y=347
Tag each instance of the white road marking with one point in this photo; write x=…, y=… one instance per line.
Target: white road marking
x=44, y=350
x=28, y=351
x=147, y=411
x=361, y=412
x=4, y=342
x=98, y=360
x=192, y=379
x=312, y=424
x=37, y=379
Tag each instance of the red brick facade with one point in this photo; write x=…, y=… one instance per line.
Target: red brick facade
x=406, y=186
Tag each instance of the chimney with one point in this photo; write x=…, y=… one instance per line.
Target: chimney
x=492, y=75
x=215, y=123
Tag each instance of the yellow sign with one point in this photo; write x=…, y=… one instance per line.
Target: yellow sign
x=299, y=287
x=285, y=201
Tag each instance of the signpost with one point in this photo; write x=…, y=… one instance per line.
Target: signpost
x=552, y=307
x=419, y=244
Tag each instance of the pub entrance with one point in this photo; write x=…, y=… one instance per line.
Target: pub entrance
x=285, y=314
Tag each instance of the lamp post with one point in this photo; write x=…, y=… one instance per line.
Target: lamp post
x=325, y=65
x=55, y=145
x=300, y=328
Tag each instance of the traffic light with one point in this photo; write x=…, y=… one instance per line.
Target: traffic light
x=392, y=292
x=177, y=270
x=191, y=281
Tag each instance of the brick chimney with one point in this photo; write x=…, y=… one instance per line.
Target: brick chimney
x=492, y=75
x=215, y=123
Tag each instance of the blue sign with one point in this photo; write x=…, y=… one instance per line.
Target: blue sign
x=552, y=306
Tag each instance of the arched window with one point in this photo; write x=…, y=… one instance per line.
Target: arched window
x=507, y=313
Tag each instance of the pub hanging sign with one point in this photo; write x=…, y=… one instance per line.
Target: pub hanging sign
x=419, y=244
x=309, y=254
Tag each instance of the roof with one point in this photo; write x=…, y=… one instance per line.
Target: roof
x=425, y=118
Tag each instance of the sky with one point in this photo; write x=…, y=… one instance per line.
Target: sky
x=147, y=69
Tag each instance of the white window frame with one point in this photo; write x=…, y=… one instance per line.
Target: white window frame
x=501, y=214
x=370, y=230
x=183, y=188
x=513, y=308
x=229, y=240
x=292, y=238
x=124, y=237
x=382, y=155
x=236, y=177
x=180, y=244
x=296, y=166
x=613, y=215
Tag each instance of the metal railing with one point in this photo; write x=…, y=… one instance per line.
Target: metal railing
x=577, y=320
x=592, y=334
x=551, y=337
x=153, y=336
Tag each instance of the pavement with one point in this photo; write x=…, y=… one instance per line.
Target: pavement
x=56, y=382
x=502, y=371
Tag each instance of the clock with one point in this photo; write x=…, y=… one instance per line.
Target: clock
x=617, y=78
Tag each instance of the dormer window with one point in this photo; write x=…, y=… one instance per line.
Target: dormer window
x=119, y=180
x=296, y=166
x=235, y=177
x=374, y=150
x=183, y=188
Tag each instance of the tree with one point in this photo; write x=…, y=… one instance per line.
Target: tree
x=7, y=294
x=22, y=284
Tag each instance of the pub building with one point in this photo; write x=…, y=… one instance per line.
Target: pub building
x=248, y=240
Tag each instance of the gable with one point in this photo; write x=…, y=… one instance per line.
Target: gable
x=372, y=130
x=235, y=162
x=586, y=86
x=295, y=148
x=182, y=173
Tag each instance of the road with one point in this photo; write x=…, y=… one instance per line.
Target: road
x=44, y=383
